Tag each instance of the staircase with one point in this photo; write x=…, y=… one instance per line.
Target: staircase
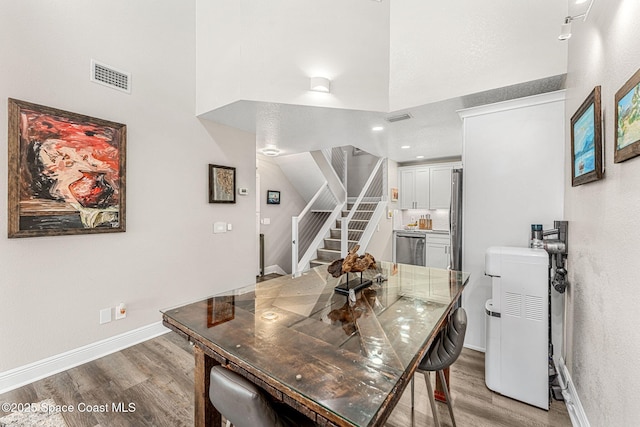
x=324, y=229
x=331, y=250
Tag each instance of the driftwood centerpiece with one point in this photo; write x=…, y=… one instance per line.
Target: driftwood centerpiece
x=352, y=263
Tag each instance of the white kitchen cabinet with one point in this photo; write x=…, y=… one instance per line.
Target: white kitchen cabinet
x=426, y=186
x=440, y=187
x=438, y=249
x=414, y=188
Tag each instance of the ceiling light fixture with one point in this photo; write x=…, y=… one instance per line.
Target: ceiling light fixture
x=320, y=84
x=419, y=157
x=377, y=128
x=270, y=151
x=404, y=147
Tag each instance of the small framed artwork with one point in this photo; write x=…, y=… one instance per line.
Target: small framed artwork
x=66, y=172
x=220, y=310
x=222, y=184
x=273, y=197
x=627, y=140
x=586, y=141
x=394, y=194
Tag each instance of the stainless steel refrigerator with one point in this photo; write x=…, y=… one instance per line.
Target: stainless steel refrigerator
x=455, y=220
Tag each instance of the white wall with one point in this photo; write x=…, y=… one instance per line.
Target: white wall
x=381, y=243
x=513, y=161
x=267, y=51
x=603, y=339
x=52, y=288
x=277, y=234
x=441, y=50
x=359, y=170
x=380, y=56
x=303, y=173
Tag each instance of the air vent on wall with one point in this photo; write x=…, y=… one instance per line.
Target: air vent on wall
x=108, y=76
x=398, y=118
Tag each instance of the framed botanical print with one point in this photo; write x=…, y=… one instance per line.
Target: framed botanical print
x=627, y=140
x=586, y=141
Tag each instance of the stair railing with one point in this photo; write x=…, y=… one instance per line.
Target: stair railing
x=337, y=157
x=309, y=228
x=372, y=192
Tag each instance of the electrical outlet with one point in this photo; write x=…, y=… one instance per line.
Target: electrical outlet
x=105, y=315
x=121, y=311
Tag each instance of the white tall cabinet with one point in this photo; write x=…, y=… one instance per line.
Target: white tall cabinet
x=513, y=155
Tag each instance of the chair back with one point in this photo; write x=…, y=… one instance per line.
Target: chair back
x=240, y=401
x=448, y=346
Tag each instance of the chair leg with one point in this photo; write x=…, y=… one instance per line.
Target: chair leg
x=432, y=400
x=448, y=397
x=412, y=392
x=413, y=414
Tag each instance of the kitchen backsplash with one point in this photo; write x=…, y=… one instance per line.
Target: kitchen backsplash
x=439, y=218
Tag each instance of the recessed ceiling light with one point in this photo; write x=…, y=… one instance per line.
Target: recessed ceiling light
x=419, y=157
x=404, y=147
x=377, y=128
x=580, y=1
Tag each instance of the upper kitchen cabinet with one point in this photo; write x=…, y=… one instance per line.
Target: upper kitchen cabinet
x=426, y=186
x=440, y=187
x=414, y=188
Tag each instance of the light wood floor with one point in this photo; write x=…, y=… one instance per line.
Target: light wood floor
x=157, y=376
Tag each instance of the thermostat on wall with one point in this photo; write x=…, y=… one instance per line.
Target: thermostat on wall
x=243, y=191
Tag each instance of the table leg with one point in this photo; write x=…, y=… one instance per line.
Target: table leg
x=205, y=414
x=439, y=391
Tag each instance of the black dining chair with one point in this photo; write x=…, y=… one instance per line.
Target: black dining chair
x=443, y=353
x=243, y=404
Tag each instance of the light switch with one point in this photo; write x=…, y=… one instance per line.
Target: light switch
x=266, y=221
x=220, y=227
x=229, y=227
x=105, y=315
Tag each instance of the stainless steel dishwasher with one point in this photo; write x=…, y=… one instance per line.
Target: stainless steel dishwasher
x=410, y=248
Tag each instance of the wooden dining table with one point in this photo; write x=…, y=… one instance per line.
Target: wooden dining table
x=340, y=359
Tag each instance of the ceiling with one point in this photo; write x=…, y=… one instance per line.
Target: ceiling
x=434, y=130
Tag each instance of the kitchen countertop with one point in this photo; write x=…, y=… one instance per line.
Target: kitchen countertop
x=418, y=231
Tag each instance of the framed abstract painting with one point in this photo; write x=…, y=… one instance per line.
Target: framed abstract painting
x=66, y=172
x=627, y=141
x=586, y=141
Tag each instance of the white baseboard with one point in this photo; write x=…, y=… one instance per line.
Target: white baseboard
x=572, y=401
x=35, y=371
x=274, y=269
x=476, y=348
